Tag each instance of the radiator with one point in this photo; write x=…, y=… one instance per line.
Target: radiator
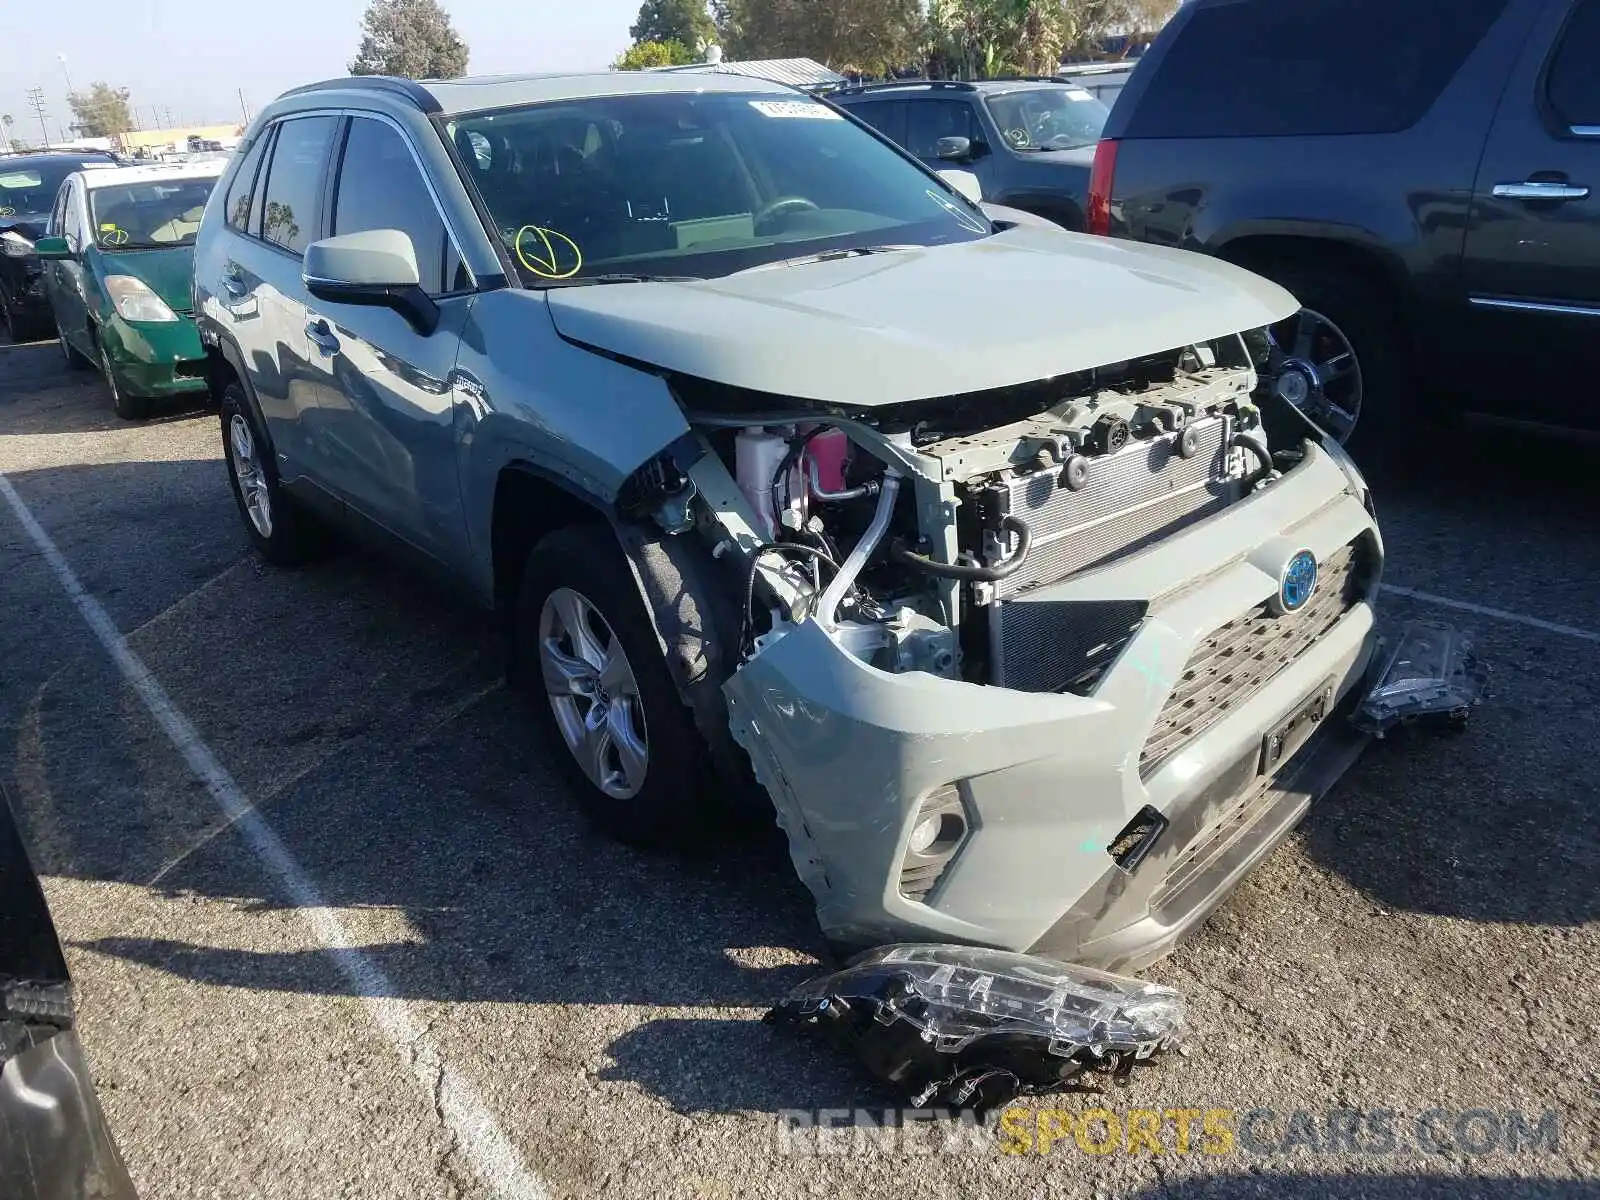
x=1134, y=498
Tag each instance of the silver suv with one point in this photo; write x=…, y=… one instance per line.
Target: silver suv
x=787, y=469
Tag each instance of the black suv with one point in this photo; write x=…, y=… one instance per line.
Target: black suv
x=1425, y=179
x=28, y=186
x=1029, y=141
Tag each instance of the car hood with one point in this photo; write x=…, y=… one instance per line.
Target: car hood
x=1022, y=305
x=169, y=273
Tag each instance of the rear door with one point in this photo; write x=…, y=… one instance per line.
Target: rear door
x=888, y=117
x=1532, y=265
x=383, y=427
x=272, y=218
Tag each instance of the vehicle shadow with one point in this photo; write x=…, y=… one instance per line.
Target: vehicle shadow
x=55, y=398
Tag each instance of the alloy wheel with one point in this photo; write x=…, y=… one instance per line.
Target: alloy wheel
x=247, y=470
x=593, y=693
x=1316, y=370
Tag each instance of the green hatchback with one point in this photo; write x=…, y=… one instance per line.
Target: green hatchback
x=118, y=266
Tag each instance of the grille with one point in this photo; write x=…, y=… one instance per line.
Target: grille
x=1060, y=645
x=1135, y=497
x=1243, y=656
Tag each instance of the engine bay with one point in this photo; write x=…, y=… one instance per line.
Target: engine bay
x=915, y=533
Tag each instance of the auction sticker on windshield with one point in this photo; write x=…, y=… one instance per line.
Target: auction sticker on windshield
x=795, y=108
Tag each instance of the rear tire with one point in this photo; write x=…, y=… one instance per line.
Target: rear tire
x=1367, y=321
x=280, y=530
x=647, y=782
x=129, y=408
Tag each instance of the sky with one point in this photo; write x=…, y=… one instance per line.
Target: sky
x=194, y=56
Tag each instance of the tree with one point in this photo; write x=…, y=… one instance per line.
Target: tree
x=102, y=111
x=878, y=36
x=409, y=38
x=683, y=21
x=643, y=56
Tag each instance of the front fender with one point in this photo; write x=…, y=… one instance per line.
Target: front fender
x=524, y=395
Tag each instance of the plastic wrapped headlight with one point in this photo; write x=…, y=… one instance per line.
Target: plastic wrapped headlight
x=14, y=245
x=968, y=1026
x=134, y=301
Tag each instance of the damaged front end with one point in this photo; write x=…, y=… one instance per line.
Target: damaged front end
x=1022, y=668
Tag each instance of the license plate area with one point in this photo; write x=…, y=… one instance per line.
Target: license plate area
x=1291, y=733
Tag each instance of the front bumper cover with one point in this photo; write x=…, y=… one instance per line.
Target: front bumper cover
x=848, y=754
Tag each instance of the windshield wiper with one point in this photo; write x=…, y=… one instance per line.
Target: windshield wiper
x=616, y=277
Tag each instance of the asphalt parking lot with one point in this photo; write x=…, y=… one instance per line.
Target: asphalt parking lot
x=403, y=967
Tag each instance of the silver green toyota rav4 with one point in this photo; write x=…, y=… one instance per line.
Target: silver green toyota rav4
x=972, y=544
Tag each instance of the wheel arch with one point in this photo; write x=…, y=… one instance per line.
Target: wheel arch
x=687, y=596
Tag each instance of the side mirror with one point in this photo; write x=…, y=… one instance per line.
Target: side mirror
x=953, y=149
x=964, y=182
x=376, y=268
x=52, y=247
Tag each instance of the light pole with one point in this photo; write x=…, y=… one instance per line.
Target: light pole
x=62, y=58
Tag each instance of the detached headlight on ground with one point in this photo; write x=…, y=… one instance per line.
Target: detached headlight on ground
x=134, y=301
x=14, y=245
x=967, y=1026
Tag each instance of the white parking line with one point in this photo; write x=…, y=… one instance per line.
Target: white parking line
x=457, y=1102
x=1498, y=614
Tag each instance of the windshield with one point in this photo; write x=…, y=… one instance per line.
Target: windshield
x=150, y=215
x=695, y=185
x=29, y=191
x=1048, y=118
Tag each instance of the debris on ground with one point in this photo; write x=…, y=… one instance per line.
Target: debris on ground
x=972, y=1028
x=1429, y=674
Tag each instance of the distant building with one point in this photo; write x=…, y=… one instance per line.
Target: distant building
x=154, y=143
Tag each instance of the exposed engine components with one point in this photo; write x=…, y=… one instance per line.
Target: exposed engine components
x=1075, y=473
x=1108, y=434
x=896, y=538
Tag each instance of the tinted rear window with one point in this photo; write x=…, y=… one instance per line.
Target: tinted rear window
x=1575, y=73
x=1263, y=68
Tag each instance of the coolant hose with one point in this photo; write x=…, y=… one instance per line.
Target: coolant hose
x=971, y=572
x=846, y=578
x=1255, y=447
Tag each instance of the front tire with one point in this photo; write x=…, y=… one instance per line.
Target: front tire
x=279, y=530
x=603, y=698
x=129, y=408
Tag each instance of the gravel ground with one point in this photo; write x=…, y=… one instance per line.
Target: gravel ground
x=1427, y=941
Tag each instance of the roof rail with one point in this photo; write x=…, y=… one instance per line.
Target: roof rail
x=410, y=89
x=958, y=85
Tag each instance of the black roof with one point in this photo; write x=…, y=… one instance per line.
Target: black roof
x=391, y=85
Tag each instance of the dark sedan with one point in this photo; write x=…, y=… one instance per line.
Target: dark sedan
x=28, y=186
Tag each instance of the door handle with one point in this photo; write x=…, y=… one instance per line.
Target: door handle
x=1541, y=189
x=322, y=337
x=232, y=283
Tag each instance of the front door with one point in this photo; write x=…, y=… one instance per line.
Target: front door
x=1532, y=265
x=383, y=426
x=64, y=277
x=929, y=120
